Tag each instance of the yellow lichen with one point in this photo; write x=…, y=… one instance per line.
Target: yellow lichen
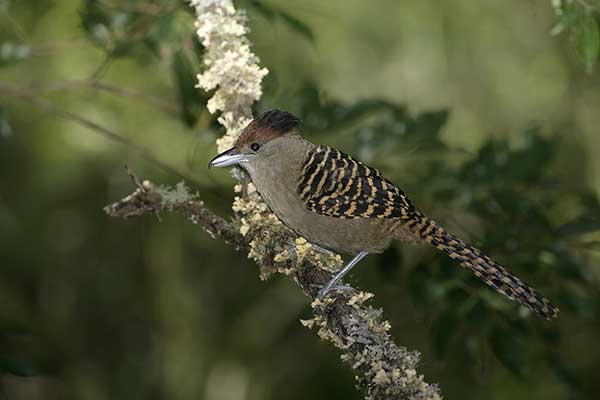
x=302, y=248
x=281, y=257
x=321, y=302
x=381, y=378
x=300, y=241
x=360, y=298
x=286, y=271
x=309, y=323
x=256, y=217
x=386, y=326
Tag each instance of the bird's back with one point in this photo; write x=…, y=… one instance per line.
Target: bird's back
x=335, y=184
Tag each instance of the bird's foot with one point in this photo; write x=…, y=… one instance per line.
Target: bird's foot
x=328, y=288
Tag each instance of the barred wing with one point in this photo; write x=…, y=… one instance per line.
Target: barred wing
x=334, y=184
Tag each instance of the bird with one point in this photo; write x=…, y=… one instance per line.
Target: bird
x=343, y=205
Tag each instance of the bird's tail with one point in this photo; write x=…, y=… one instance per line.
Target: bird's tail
x=471, y=258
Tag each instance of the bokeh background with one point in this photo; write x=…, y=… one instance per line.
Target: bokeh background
x=488, y=120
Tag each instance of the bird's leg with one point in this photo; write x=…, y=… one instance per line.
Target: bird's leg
x=325, y=289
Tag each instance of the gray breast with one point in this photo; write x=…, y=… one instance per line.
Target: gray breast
x=275, y=181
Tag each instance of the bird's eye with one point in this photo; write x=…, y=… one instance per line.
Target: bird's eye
x=255, y=146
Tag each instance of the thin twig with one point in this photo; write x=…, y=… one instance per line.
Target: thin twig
x=103, y=67
x=149, y=198
x=136, y=181
x=157, y=102
x=48, y=48
x=46, y=106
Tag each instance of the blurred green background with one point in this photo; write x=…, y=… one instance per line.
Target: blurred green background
x=474, y=108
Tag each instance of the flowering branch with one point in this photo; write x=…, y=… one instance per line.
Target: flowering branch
x=383, y=370
x=231, y=67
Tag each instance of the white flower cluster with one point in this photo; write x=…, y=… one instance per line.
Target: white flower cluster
x=231, y=66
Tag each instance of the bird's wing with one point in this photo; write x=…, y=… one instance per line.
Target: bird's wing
x=333, y=183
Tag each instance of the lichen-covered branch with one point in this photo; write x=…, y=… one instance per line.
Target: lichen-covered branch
x=149, y=198
x=383, y=369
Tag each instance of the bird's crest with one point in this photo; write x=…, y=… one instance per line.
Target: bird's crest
x=267, y=126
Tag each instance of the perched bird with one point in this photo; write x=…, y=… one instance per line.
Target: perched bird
x=341, y=204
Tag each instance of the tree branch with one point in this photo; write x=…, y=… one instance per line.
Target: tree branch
x=383, y=369
x=154, y=101
x=151, y=199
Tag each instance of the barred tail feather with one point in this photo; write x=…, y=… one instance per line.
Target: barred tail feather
x=492, y=273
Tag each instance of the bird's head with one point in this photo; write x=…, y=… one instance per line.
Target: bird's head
x=255, y=139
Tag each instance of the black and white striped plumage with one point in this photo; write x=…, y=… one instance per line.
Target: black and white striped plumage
x=334, y=184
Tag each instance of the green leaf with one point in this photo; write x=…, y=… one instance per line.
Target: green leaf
x=428, y=126
x=580, y=226
x=570, y=267
x=587, y=41
x=191, y=99
x=270, y=13
x=298, y=26
x=262, y=9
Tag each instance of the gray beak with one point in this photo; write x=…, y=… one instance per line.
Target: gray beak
x=227, y=158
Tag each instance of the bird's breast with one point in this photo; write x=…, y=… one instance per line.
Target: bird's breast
x=277, y=186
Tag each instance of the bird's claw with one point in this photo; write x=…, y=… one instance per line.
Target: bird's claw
x=326, y=289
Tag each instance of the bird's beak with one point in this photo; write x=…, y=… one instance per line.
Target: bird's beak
x=227, y=158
